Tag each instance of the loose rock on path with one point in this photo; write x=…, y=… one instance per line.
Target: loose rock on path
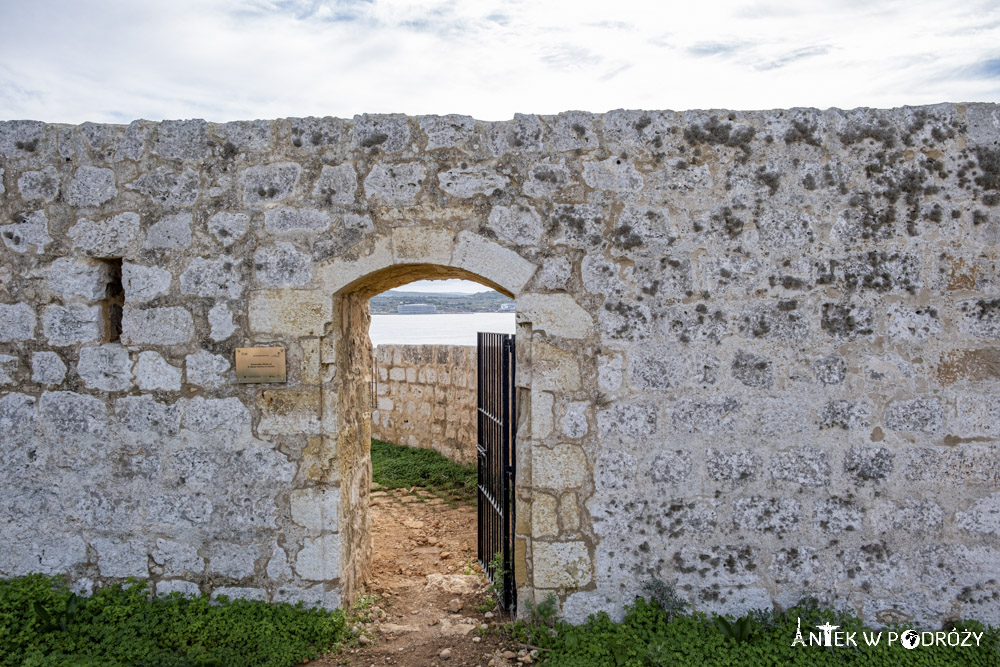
x=426, y=602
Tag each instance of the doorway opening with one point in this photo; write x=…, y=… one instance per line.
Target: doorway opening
x=422, y=500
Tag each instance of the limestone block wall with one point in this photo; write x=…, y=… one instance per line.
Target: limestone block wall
x=757, y=351
x=426, y=397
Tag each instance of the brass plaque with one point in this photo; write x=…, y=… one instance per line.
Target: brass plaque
x=260, y=364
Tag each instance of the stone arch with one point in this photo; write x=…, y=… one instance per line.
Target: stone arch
x=333, y=317
x=403, y=256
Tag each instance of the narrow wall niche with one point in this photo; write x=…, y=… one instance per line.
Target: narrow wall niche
x=114, y=301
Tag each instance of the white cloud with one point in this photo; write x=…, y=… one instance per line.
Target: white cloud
x=107, y=60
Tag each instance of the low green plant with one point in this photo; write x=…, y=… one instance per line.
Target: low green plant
x=399, y=467
x=664, y=595
x=43, y=623
x=738, y=630
x=648, y=637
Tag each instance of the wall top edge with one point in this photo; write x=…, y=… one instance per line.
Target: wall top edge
x=981, y=106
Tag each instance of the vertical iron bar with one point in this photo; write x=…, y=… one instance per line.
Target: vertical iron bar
x=495, y=451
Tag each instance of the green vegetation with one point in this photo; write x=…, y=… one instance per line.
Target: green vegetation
x=399, y=467
x=480, y=302
x=651, y=636
x=43, y=623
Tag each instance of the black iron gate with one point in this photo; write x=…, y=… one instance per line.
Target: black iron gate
x=497, y=418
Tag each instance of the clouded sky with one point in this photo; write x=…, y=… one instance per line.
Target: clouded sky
x=114, y=61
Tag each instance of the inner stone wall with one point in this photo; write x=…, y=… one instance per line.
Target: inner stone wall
x=426, y=397
x=757, y=351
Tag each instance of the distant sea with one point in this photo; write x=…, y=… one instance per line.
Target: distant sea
x=440, y=329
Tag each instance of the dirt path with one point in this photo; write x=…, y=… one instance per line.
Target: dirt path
x=428, y=597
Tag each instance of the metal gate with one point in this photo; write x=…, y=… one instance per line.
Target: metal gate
x=497, y=418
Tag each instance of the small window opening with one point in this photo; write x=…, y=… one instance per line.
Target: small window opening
x=114, y=301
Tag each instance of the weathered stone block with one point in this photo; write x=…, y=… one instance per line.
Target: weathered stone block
x=468, y=182
x=168, y=186
x=544, y=516
x=627, y=420
x=117, y=236
x=738, y=465
x=314, y=596
x=145, y=418
x=270, y=183
x=171, y=231
x=182, y=139
x=156, y=326
x=289, y=412
x=498, y=264
x=152, y=372
x=395, y=185
x=206, y=369
x=561, y=467
x=868, y=463
x=316, y=509
x=845, y=414
x=837, y=515
x=562, y=565
x=144, y=283
x=240, y=593
x=233, y=560
x=706, y=416
x=75, y=279
x=767, y=515
x=557, y=369
x=541, y=414
x=294, y=312
x=219, y=277
x=107, y=368
x=176, y=558
x=8, y=368
x=223, y=417
x=983, y=516
x=220, y=319
x=39, y=185
x=830, y=370
x=614, y=472
x=228, y=228
x=447, y=131
x=319, y=558
x=91, y=186
x=670, y=467
x=521, y=225
x=337, y=183
x=120, y=558
x=285, y=220
x=574, y=421
x=918, y=414
x=186, y=588
x=753, y=370
x=27, y=232
x=47, y=368
x=72, y=324
x=977, y=365
x=610, y=372
x=282, y=266
x=614, y=174
x=18, y=322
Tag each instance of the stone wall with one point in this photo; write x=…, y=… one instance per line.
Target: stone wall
x=426, y=397
x=757, y=351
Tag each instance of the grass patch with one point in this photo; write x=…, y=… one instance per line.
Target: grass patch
x=651, y=636
x=43, y=623
x=398, y=467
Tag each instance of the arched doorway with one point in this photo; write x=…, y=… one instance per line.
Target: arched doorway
x=411, y=254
